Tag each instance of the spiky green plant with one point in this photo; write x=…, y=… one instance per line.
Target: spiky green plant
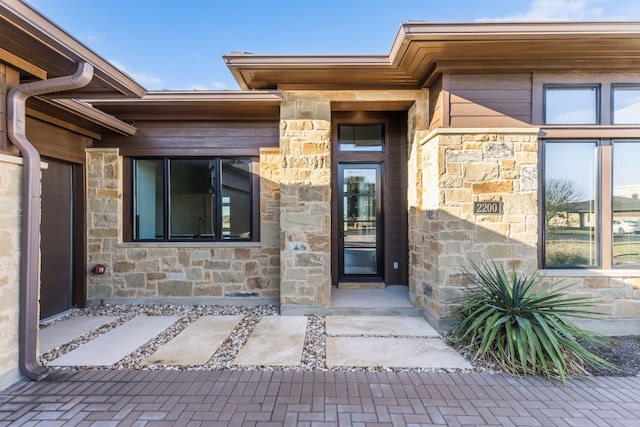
x=522, y=324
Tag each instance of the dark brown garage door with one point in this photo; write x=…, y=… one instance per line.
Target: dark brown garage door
x=57, y=239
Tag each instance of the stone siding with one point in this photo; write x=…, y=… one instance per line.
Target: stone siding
x=456, y=170
x=10, y=223
x=192, y=273
x=305, y=205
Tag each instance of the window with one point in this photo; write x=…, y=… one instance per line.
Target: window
x=626, y=206
x=591, y=209
x=570, y=201
x=183, y=199
x=571, y=104
x=626, y=104
x=361, y=138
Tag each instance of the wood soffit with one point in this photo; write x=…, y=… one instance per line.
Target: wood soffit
x=422, y=51
x=196, y=105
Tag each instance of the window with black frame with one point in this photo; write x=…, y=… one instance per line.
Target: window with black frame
x=571, y=104
x=576, y=202
x=186, y=199
x=571, y=203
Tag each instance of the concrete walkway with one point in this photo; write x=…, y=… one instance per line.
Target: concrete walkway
x=276, y=341
x=277, y=398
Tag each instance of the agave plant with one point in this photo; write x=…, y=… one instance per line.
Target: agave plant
x=522, y=324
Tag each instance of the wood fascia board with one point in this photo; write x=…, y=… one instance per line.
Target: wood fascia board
x=61, y=43
x=88, y=112
x=518, y=30
x=195, y=96
x=21, y=64
x=417, y=38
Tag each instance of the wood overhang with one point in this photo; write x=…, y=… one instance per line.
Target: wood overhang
x=41, y=50
x=422, y=51
x=225, y=105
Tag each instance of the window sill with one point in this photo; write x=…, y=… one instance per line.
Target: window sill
x=189, y=245
x=578, y=272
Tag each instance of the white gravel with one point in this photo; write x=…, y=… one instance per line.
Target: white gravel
x=313, y=354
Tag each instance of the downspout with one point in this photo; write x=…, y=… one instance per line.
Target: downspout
x=30, y=232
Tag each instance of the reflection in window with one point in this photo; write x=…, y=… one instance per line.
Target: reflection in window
x=571, y=105
x=626, y=104
x=148, y=199
x=236, y=198
x=360, y=138
x=192, y=198
x=626, y=205
x=570, y=203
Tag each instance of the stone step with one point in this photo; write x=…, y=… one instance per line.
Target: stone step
x=428, y=353
x=197, y=343
x=109, y=348
x=379, y=326
x=69, y=329
x=275, y=341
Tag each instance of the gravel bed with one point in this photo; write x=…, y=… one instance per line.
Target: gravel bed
x=624, y=351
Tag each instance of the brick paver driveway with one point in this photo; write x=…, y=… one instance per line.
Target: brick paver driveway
x=321, y=398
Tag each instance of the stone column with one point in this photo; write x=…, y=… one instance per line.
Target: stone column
x=10, y=228
x=104, y=218
x=418, y=128
x=305, y=204
x=10, y=220
x=459, y=169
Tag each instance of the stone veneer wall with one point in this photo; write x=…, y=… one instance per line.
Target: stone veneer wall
x=10, y=220
x=305, y=205
x=458, y=167
x=305, y=146
x=190, y=273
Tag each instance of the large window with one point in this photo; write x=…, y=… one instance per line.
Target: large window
x=571, y=104
x=625, y=203
x=592, y=206
x=184, y=199
x=570, y=200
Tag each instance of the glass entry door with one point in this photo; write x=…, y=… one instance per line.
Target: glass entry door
x=360, y=216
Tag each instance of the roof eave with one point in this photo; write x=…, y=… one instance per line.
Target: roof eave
x=60, y=43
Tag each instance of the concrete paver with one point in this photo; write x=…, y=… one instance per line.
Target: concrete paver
x=197, y=343
x=379, y=326
x=276, y=341
x=393, y=352
x=69, y=329
x=327, y=398
x=112, y=346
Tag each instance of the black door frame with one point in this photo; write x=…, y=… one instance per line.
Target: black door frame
x=380, y=253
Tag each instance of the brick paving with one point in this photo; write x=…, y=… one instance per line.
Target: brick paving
x=315, y=398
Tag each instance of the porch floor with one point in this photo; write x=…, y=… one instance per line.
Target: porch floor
x=393, y=300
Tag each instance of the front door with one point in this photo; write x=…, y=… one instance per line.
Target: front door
x=56, y=283
x=360, y=221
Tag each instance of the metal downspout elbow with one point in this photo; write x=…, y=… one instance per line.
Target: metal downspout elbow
x=30, y=232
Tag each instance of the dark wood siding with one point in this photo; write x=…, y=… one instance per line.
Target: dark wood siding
x=435, y=105
x=195, y=138
x=56, y=142
x=487, y=100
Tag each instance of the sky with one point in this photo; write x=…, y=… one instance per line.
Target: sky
x=178, y=44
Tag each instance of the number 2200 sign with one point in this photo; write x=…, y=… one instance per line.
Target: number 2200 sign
x=487, y=208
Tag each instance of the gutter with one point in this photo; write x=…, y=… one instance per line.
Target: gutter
x=30, y=233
